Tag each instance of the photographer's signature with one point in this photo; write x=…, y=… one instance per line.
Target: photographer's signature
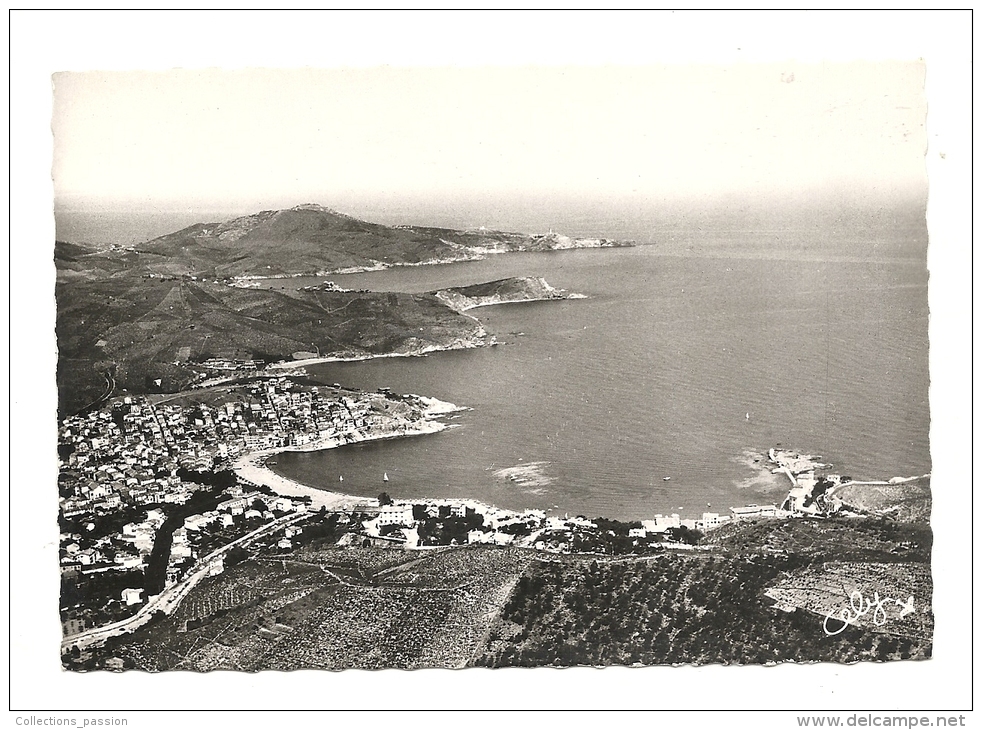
x=882, y=608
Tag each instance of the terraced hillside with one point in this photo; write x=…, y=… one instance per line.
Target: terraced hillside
x=334, y=608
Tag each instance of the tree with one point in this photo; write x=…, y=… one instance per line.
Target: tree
x=236, y=555
x=384, y=499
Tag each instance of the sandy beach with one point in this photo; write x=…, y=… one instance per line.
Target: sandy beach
x=252, y=468
x=291, y=364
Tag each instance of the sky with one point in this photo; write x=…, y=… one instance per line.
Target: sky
x=653, y=132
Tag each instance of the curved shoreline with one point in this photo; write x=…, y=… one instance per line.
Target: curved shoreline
x=291, y=364
x=245, y=281
x=251, y=467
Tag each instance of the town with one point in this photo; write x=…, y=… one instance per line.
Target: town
x=153, y=499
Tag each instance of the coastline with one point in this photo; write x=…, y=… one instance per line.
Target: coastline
x=243, y=281
x=479, y=254
x=291, y=364
x=574, y=295
x=422, y=352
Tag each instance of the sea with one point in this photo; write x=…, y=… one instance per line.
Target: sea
x=694, y=352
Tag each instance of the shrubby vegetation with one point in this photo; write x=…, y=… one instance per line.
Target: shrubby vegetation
x=201, y=501
x=670, y=610
x=447, y=530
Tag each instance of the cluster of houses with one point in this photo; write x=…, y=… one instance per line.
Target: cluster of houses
x=218, y=363
x=245, y=504
x=130, y=454
x=810, y=494
x=401, y=522
x=129, y=550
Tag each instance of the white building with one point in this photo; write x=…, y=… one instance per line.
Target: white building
x=752, y=511
x=396, y=514
x=711, y=520
x=661, y=523
x=156, y=518
x=479, y=537
x=128, y=561
x=131, y=596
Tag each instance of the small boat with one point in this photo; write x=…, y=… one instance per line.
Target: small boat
x=385, y=476
x=666, y=479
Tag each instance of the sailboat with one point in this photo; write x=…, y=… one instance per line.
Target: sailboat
x=748, y=415
x=340, y=478
x=385, y=476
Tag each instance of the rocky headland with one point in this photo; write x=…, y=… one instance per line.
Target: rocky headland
x=502, y=291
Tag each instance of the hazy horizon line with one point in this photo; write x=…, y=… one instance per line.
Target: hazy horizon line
x=818, y=197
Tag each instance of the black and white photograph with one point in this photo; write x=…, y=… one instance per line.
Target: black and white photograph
x=477, y=366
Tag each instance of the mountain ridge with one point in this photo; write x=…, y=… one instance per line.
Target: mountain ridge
x=144, y=318
x=311, y=239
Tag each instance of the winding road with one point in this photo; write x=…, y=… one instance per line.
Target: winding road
x=171, y=598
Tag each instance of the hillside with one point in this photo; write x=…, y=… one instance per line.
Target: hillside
x=502, y=291
x=325, y=607
x=313, y=240
x=145, y=330
x=143, y=318
x=905, y=500
x=757, y=595
x=70, y=252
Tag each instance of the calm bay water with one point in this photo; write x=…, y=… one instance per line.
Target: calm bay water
x=653, y=376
